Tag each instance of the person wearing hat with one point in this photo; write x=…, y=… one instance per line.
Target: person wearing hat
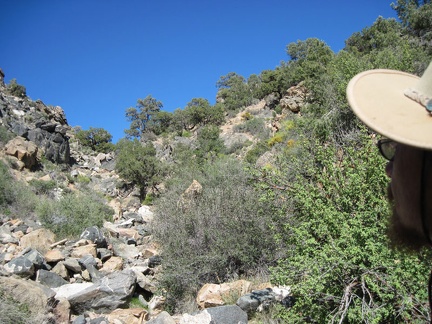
x=398, y=106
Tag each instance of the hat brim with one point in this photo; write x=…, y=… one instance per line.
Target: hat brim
x=377, y=98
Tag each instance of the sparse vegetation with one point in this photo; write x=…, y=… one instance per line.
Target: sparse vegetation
x=15, y=196
x=16, y=89
x=12, y=312
x=73, y=212
x=220, y=233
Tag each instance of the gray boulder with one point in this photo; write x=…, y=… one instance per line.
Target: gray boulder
x=72, y=264
x=89, y=263
x=250, y=302
x=50, y=279
x=95, y=235
x=37, y=259
x=227, y=314
x=217, y=315
x=162, y=318
x=20, y=266
x=113, y=291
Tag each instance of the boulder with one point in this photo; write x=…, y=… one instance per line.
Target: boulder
x=259, y=300
x=40, y=239
x=130, y=316
x=112, y=264
x=61, y=270
x=54, y=256
x=211, y=295
x=146, y=214
x=20, y=266
x=113, y=291
x=80, y=251
x=50, y=279
x=89, y=263
x=162, y=318
x=295, y=98
x=217, y=315
x=37, y=259
x=72, y=264
x=95, y=235
x=123, y=250
x=54, y=144
x=37, y=297
x=23, y=150
x=68, y=290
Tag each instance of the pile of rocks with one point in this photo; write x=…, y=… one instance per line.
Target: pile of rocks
x=99, y=272
x=95, y=277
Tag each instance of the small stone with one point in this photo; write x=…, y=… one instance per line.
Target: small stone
x=113, y=264
x=81, y=251
x=54, y=256
x=61, y=270
x=72, y=264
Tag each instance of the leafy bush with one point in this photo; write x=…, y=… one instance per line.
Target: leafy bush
x=5, y=135
x=277, y=138
x=209, y=142
x=254, y=126
x=42, y=187
x=214, y=236
x=340, y=266
x=15, y=197
x=254, y=153
x=72, y=213
x=16, y=89
x=98, y=139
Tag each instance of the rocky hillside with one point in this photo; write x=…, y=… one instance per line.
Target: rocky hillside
x=109, y=272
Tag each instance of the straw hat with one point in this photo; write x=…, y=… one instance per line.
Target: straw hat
x=395, y=104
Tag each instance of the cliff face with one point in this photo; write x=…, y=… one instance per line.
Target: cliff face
x=45, y=126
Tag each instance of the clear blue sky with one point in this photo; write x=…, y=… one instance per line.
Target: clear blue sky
x=95, y=58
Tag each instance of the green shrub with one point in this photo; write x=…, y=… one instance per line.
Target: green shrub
x=254, y=126
x=98, y=139
x=215, y=236
x=5, y=135
x=234, y=148
x=209, y=142
x=340, y=265
x=72, y=213
x=16, y=89
x=254, y=153
x=41, y=187
x=277, y=138
x=15, y=196
x=148, y=200
x=186, y=133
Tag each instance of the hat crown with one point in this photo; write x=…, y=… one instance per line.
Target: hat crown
x=424, y=85
x=421, y=92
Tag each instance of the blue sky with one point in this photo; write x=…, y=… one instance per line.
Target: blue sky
x=95, y=58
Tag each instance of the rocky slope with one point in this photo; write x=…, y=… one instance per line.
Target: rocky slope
x=94, y=277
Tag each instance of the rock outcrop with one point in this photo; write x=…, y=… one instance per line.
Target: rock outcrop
x=45, y=126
